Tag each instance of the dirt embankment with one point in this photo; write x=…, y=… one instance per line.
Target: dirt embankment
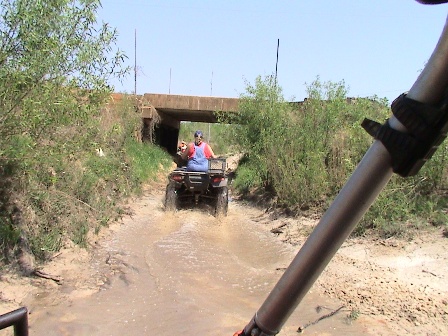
x=402, y=283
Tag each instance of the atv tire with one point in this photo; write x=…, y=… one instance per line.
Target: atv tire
x=170, y=198
x=222, y=202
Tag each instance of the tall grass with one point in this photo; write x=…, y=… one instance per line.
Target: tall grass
x=146, y=160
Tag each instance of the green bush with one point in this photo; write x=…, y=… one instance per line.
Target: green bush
x=247, y=178
x=305, y=152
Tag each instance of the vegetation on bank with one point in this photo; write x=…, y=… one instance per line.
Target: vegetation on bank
x=68, y=159
x=304, y=153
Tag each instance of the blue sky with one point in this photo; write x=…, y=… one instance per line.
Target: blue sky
x=213, y=48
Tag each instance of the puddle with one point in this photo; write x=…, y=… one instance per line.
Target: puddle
x=184, y=274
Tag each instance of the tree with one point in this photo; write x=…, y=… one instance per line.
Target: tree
x=257, y=126
x=55, y=64
x=55, y=60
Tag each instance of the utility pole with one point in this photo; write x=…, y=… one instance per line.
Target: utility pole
x=169, y=86
x=135, y=62
x=276, y=62
x=211, y=93
x=211, y=85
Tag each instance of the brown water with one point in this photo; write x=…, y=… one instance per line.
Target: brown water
x=183, y=274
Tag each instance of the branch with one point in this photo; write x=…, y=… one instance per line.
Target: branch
x=301, y=329
x=44, y=275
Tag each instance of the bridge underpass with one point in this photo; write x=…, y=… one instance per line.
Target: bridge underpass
x=167, y=111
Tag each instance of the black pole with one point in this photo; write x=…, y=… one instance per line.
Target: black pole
x=367, y=181
x=276, y=62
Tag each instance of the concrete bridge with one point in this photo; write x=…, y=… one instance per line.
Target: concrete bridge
x=175, y=108
x=166, y=112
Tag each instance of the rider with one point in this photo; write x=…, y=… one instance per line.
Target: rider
x=198, y=153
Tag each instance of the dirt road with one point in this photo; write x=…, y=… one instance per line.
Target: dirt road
x=192, y=274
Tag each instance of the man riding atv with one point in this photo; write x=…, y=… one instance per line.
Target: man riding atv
x=202, y=179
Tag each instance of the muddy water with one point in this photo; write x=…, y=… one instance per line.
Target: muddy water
x=183, y=274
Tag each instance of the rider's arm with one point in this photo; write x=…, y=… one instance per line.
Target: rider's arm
x=211, y=152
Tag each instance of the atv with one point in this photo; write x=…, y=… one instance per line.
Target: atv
x=187, y=187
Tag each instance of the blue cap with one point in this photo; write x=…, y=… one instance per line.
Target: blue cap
x=198, y=134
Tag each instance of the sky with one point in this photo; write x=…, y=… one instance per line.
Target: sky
x=217, y=48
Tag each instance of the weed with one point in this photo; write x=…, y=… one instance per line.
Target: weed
x=352, y=316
